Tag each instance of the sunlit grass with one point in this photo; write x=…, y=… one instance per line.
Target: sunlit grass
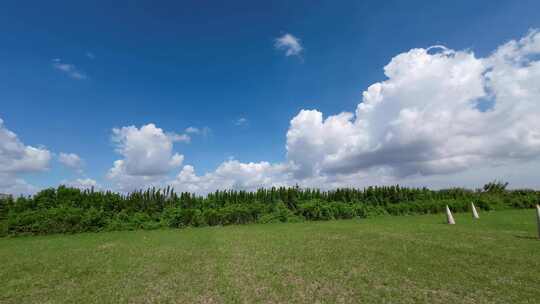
x=407, y=259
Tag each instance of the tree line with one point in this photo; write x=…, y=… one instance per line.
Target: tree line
x=70, y=210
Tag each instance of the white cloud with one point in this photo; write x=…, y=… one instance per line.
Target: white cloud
x=193, y=130
x=233, y=174
x=17, y=158
x=71, y=160
x=11, y=184
x=90, y=55
x=69, y=69
x=83, y=183
x=424, y=119
x=179, y=137
x=204, y=131
x=290, y=44
x=147, y=156
x=242, y=121
x=422, y=126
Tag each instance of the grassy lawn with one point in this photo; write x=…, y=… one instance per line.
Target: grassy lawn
x=415, y=259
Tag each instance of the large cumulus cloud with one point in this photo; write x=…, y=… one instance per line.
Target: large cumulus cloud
x=440, y=118
x=16, y=159
x=440, y=111
x=233, y=174
x=147, y=156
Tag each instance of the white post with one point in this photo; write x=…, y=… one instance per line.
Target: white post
x=449, y=217
x=538, y=218
x=474, y=213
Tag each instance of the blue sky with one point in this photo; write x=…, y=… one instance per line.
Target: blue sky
x=180, y=64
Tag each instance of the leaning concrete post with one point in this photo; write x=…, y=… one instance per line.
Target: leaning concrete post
x=449, y=217
x=474, y=213
x=538, y=218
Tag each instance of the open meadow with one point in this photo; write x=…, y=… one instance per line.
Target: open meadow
x=405, y=259
x=270, y=152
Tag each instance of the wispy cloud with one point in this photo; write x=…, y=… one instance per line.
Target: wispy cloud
x=242, y=121
x=193, y=130
x=90, y=55
x=72, y=161
x=179, y=137
x=204, y=131
x=290, y=44
x=69, y=69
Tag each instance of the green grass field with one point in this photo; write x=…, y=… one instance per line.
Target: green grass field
x=415, y=259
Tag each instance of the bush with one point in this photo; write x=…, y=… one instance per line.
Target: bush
x=211, y=217
x=94, y=220
x=3, y=228
x=54, y=220
x=342, y=210
x=141, y=220
x=521, y=199
x=491, y=202
x=68, y=210
x=316, y=210
x=279, y=213
x=178, y=218
x=237, y=214
x=364, y=210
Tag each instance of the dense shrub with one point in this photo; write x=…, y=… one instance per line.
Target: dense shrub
x=211, y=217
x=3, y=228
x=365, y=210
x=93, y=219
x=50, y=220
x=126, y=221
x=178, y=217
x=238, y=214
x=69, y=210
x=280, y=213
